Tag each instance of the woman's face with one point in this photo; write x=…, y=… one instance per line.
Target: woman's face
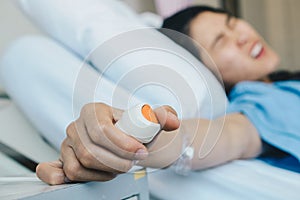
x=236, y=49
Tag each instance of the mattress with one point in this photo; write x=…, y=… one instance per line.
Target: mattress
x=241, y=179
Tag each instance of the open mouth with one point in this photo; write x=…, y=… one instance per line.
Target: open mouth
x=257, y=50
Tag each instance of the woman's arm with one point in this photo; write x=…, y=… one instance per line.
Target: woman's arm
x=215, y=142
x=95, y=150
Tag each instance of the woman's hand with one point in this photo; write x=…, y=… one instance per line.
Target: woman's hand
x=95, y=150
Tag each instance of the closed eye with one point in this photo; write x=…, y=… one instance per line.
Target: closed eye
x=217, y=39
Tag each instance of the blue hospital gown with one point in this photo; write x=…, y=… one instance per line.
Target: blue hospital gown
x=274, y=109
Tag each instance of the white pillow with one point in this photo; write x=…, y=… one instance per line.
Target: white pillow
x=151, y=66
x=110, y=29
x=152, y=19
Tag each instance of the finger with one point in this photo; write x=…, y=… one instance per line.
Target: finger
x=95, y=157
x=75, y=172
x=51, y=172
x=99, y=123
x=167, y=117
x=117, y=114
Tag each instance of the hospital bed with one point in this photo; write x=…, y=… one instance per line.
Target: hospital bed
x=247, y=179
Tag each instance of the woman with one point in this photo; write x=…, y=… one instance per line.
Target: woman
x=102, y=151
x=240, y=54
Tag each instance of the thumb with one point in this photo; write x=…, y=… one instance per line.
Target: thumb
x=167, y=117
x=51, y=172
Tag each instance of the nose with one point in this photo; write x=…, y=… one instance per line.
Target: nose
x=239, y=37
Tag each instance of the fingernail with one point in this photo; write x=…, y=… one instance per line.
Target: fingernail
x=172, y=116
x=141, y=154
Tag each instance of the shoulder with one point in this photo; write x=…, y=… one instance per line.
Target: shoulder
x=250, y=87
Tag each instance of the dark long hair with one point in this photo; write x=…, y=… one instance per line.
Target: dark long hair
x=284, y=75
x=177, y=27
x=181, y=20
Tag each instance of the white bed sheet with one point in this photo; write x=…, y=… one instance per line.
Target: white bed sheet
x=241, y=179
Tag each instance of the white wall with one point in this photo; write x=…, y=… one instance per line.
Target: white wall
x=215, y=3
x=148, y=5
x=141, y=5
